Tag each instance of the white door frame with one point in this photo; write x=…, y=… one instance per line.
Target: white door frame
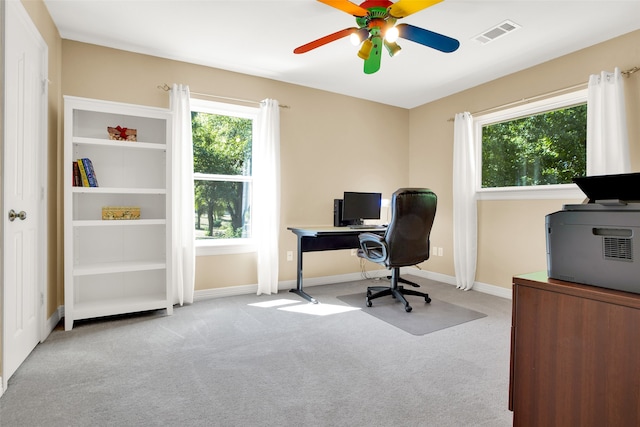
x=41, y=275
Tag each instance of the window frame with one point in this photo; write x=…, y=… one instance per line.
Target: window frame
x=209, y=247
x=552, y=191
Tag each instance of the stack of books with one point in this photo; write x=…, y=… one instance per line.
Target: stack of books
x=83, y=174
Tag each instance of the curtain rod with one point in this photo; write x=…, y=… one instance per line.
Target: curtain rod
x=626, y=73
x=630, y=71
x=165, y=87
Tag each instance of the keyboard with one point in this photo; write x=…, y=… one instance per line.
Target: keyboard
x=367, y=226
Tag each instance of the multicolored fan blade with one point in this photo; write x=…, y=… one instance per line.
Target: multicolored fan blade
x=324, y=40
x=346, y=6
x=372, y=64
x=406, y=7
x=428, y=38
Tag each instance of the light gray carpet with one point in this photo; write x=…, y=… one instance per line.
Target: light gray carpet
x=423, y=319
x=227, y=362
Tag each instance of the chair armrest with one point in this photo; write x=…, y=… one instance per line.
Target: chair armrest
x=372, y=247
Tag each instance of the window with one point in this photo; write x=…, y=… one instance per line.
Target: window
x=533, y=150
x=223, y=182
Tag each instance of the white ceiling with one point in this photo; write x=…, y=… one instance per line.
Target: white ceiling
x=258, y=37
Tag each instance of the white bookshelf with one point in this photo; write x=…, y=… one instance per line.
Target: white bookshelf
x=117, y=266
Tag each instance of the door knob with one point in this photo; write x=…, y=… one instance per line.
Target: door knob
x=13, y=215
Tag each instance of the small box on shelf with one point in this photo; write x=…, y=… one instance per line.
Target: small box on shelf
x=120, y=133
x=120, y=212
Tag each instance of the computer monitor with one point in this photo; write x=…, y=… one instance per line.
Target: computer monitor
x=360, y=206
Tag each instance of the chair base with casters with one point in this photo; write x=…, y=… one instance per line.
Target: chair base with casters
x=405, y=281
x=395, y=290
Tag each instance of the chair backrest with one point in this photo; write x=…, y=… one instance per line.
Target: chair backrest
x=412, y=213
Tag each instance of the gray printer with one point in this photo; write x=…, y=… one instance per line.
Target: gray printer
x=597, y=243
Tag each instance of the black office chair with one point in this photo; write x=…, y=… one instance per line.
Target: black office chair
x=405, y=243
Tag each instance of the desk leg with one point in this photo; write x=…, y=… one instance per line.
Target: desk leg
x=298, y=289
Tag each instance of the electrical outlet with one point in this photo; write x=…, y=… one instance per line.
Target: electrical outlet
x=289, y=255
x=434, y=251
x=440, y=251
x=354, y=252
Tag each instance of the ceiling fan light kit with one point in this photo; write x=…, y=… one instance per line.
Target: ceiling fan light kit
x=365, y=50
x=376, y=20
x=359, y=36
x=393, y=48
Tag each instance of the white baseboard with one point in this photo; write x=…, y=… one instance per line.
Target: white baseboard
x=225, y=292
x=52, y=322
x=485, y=288
x=494, y=290
x=350, y=277
x=282, y=286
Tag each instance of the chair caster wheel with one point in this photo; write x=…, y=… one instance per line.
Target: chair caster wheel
x=427, y=299
x=408, y=309
x=369, y=304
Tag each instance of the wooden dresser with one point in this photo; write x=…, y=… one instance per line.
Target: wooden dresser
x=575, y=354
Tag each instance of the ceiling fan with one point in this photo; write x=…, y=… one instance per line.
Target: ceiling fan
x=376, y=20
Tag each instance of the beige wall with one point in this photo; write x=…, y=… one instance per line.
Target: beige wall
x=511, y=236
x=323, y=136
x=329, y=143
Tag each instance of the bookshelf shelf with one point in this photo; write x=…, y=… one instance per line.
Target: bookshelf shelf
x=118, y=223
x=109, y=307
x=117, y=266
x=138, y=145
x=113, y=190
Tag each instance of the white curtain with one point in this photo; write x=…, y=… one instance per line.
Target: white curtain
x=266, y=195
x=607, y=137
x=465, y=212
x=182, y=204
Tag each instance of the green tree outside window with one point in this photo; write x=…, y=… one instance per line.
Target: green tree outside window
x=222, y=164
x=542, y=149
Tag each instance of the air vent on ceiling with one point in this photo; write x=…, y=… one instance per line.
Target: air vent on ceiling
x=497, y=31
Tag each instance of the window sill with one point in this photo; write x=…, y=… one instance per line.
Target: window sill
x=224, y=247
x=560, y=191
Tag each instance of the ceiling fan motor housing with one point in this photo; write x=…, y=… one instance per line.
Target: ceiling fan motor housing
x=380, y=4
x=376, y=21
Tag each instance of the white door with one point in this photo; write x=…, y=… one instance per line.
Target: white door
x=23, y=189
